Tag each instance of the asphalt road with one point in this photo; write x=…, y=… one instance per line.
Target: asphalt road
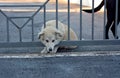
x=61, y=67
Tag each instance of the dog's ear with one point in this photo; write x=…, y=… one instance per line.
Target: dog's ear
x=59, y=34
x=41, y=35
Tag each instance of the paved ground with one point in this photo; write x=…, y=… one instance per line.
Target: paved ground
x=61, y=67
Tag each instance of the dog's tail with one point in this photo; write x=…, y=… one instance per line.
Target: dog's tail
x=95, y=9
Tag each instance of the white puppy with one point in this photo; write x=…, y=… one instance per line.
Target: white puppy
x=50, y=36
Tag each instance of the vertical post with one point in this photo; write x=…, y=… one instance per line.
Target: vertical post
x=68, y=19
x=8, y=30
x=32, y=19
x=116, y=19
x=92, y=19
x=56, y=13
x=44, y=15
x=20, y=34
x=104, y=24
x=80, y=19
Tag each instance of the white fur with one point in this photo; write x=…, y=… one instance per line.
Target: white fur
x=50, y=36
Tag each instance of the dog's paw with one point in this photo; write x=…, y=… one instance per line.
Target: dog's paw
x=44, y=51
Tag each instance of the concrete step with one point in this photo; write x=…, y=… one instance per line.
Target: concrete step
x=60, y=50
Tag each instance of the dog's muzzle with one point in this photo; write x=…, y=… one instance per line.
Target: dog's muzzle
x=50, y=49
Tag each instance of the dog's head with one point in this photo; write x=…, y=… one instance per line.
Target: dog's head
x=50, y=38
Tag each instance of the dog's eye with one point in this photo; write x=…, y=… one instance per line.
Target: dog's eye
x=47, y=41
x=53, y=40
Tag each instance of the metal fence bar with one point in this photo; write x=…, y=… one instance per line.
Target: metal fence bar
x=56, y=13
x=20, y=34
x=20, y=28
x=80, y=19
x=29, y=18
x=21, y=5
x=116, y=19
x=68, y=19
x=104, y=24
x=32, y=20
x=36, y=12
x=92, y=19
x=8, y=31
x=18, y=18
x=44, y=16
x=9, y=18
x=14, y=23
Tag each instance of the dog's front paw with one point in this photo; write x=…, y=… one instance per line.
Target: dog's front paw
x=44, y=51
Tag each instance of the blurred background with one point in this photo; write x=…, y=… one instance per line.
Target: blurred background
x=85, y=2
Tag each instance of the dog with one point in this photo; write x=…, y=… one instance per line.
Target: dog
x=111, y=15
x=51, y=36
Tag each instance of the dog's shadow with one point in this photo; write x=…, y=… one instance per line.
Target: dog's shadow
x=65, y=49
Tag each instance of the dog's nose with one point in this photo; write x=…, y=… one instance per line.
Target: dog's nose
x=50, y=49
